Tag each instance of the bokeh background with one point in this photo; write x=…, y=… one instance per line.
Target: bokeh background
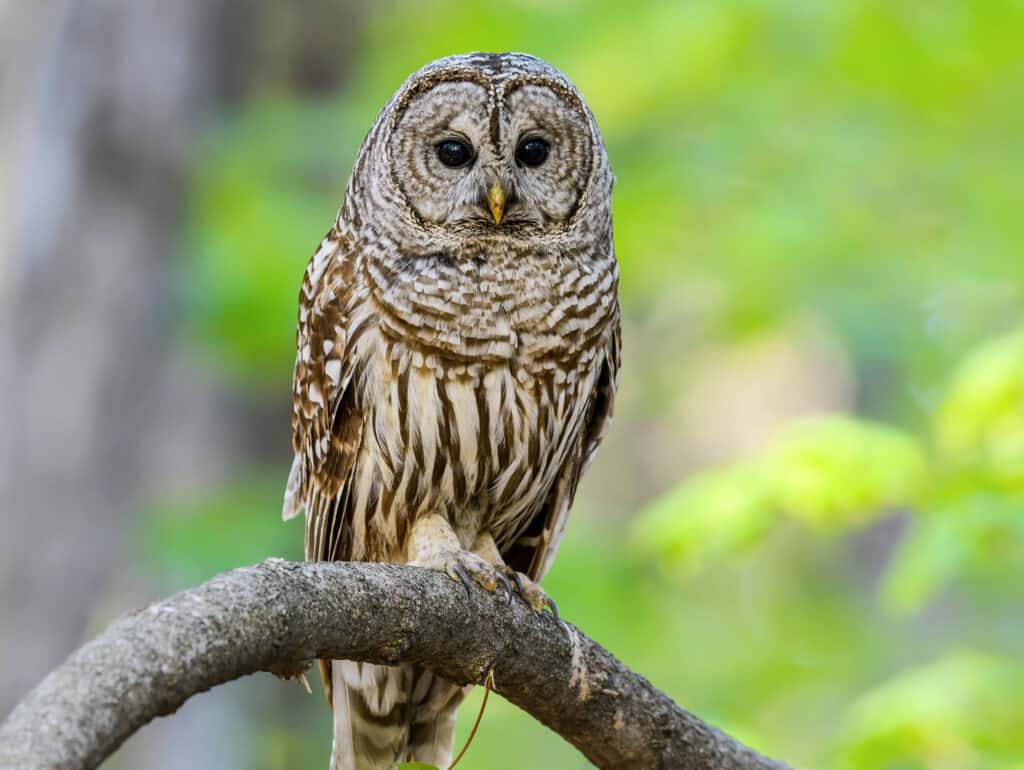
x=807, y=525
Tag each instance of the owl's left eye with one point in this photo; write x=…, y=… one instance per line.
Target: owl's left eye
x=532, y=151
x=453, y=153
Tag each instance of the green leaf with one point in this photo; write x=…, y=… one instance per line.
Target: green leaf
x=979, y=533
x=707, y=517
x=837, y=472
x=946, y=715
x=416, y=766
x=831, y=473
x=981, y=421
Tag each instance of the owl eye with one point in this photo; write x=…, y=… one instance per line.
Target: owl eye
x=453, y=153
x=532, y=152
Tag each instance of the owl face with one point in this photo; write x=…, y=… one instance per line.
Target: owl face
x=495, y=144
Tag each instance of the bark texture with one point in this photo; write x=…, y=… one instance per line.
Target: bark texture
x=147, y=663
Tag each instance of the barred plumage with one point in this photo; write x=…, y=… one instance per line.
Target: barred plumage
x=456, y=369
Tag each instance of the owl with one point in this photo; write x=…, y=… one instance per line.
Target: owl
x=458, y=354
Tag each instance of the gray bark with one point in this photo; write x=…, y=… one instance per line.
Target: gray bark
x=149, y=662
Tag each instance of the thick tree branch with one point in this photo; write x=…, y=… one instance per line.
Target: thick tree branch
x=148, y=663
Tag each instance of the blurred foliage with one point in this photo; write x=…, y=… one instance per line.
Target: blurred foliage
x=958, y=713
x=837, y=473
x=830, y=473
x=972, y=523
x=981, y=422
x=846, y=595
x=188, y=540
x=264, y=187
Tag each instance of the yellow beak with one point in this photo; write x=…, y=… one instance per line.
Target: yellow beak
x=496, y=202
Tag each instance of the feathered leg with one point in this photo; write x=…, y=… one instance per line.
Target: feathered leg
x=432, y=732
x=384, y=715
x=371, y=715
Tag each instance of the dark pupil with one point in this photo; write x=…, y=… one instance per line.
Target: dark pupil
x=453, y=153
x=532, y=152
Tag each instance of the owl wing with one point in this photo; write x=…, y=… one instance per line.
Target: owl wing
x=327, y=421
x=535, y=551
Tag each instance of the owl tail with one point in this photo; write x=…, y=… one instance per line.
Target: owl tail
x=384, y=715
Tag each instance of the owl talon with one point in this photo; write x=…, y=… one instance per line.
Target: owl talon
x=507, y=585
x=463, y=566
x=554, y=608
x=463, y=577
x=528, y=591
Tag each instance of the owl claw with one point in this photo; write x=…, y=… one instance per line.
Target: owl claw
x=467, y=568
x=463, y=577
x=553, y=607
x=528, y=591
x=507, y=585
x=463, y=566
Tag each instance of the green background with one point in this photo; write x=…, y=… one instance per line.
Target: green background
x=807, y=525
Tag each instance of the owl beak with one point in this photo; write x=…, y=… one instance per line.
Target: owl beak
x=496, y=201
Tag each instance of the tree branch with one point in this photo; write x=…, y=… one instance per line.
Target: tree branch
x=149, y=662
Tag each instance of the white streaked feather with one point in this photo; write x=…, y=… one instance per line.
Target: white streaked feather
x=293, y=491
x=467, y=427
x=333, y=370
x=342, y=745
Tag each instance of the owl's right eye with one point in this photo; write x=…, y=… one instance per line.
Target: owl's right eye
x=453, y=153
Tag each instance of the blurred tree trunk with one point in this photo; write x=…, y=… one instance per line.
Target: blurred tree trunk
x=100, y=99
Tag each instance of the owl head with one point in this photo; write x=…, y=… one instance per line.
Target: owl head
x=483, y=145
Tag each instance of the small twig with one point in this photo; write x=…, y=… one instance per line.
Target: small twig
x=488, y=684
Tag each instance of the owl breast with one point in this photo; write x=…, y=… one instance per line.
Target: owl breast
x=476, y=382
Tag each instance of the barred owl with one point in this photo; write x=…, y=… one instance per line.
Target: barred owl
x=458, y=352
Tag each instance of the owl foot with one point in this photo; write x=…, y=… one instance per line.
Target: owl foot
x=434, y=545
x=529, y=592
x=467, y=568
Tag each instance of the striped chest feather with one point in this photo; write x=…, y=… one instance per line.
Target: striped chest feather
x=434, y=385
x=482, y=443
